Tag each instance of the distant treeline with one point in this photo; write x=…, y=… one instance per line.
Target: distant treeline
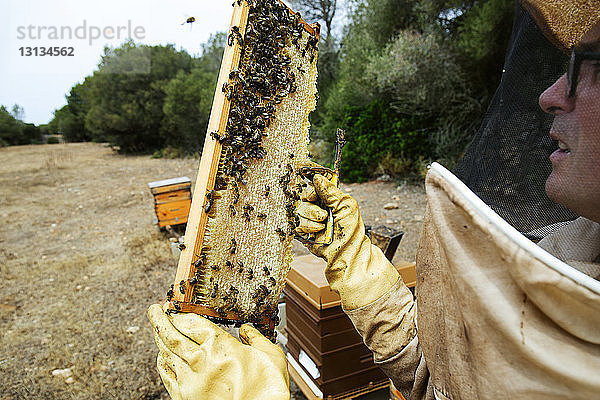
x=408, y=80
x=13, y=131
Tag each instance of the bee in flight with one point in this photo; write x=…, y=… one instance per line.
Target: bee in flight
x=190, y=21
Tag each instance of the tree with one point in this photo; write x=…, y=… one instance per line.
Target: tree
x=126, y=95
x=70, y=119
x=11, y=131
x=143, y=98
x=428, y=66
x=186, y=109
x=18, y=112
x=32, y=134
x=188, y=100
x=212, y=54
x=318, y=11
x=481, y=40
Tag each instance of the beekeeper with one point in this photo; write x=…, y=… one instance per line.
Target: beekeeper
x=498, y=316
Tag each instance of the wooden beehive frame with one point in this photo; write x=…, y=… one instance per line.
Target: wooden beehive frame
x=205, y=181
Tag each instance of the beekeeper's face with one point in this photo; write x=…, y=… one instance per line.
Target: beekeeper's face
x=575, y=178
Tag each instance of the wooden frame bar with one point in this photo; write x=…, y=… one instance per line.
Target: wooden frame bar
x=209, y=162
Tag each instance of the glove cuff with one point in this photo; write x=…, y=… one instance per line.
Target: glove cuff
x=387, y=325
x=364, y=284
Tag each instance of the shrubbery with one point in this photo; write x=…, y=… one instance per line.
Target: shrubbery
x=413, y=87
x=13, y=131
x=375, y=132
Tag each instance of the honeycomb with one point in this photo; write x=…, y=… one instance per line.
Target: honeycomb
x=245, y=255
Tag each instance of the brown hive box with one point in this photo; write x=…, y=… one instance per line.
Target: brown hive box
x=172, y=200
x=318, y=328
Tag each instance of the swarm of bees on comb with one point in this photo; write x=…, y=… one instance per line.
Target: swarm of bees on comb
x=236, y=269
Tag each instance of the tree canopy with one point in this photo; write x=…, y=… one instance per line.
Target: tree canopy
x=409, y=80
x=13, y=131
x=142, y=98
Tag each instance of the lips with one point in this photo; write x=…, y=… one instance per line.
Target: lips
x=562, y=153
x=562, y=146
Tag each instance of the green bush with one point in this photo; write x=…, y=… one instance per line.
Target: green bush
x=377, y=133
x=171, y=152
x=52, y=140
x=421, y=76
x=394, y=166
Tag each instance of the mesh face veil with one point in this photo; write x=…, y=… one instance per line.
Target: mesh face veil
x=577, y=58
x=514, y=153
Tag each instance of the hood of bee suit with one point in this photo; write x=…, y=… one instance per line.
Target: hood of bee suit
x=564, y=22
x=497, y=314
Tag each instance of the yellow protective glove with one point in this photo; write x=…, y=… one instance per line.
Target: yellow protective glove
x=198, y=360
x=356, y=269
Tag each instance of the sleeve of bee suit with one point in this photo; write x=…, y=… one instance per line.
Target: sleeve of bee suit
x=373, y=295
x=388, y=328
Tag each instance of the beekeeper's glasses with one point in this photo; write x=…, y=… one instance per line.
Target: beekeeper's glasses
x=577, y=58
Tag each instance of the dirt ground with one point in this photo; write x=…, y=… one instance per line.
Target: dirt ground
x=80, y=261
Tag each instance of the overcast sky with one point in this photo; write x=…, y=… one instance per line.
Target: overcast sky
x=39, y=84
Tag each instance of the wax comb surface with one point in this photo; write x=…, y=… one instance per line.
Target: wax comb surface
x=238, y=254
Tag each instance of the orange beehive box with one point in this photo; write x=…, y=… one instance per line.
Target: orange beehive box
x=172, y=200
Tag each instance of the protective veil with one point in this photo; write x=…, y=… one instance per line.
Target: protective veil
x=507, y=162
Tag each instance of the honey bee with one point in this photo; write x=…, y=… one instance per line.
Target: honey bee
x=235, y=35
x=201, y=260
x=214, y=291
x=190, y=21
x=281, y=233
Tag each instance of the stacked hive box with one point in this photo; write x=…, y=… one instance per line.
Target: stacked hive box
x=322, y=339
x=172, y=200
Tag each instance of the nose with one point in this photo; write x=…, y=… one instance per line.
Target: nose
x=555, y=101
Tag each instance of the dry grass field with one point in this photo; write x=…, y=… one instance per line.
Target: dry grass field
x=80, y=261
